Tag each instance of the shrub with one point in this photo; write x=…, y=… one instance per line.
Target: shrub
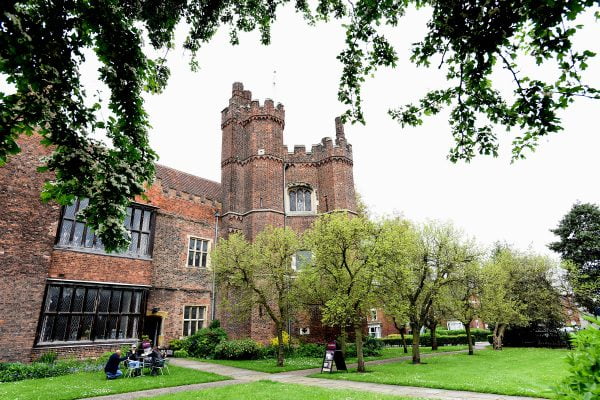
x=11, y=372
x=179, y=344
x=584, y=379
x=203, y=342
x=180, y=354
x=268, y=352
x=48, y=357
x=309, y=350
x=372, y=346
x=244, y=349
x=286, y=339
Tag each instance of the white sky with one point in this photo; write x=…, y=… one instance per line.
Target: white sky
x=396, y=170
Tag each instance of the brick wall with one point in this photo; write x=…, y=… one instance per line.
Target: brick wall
x=175, y=284
x=171, y=303
x=79, y=351
x=27, y=233
x=76, y=265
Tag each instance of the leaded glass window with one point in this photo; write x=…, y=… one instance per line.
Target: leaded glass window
x=300, y=199
x=73, y=312
x=76, y=234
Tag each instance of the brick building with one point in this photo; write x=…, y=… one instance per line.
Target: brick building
x=60, y=291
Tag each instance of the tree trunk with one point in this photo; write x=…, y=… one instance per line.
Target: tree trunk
x=498, y=336
x=416, y=334
x=343, y=340
x=469, y=340
x=401, y=331
x=434, y=345
x=359, y=348
x=280, y=357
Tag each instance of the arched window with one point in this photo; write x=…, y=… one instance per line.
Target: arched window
x=300, y=199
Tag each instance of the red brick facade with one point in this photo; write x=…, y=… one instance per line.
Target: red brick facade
x=258, y=173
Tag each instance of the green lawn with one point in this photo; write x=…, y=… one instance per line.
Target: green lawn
x=268, y=390
x=89, y=384
x=512, y=371
x=293, y=364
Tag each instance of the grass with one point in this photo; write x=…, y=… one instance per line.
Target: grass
x=89, y=384
x=268, y=390
x=512, y=371
x=292, y=364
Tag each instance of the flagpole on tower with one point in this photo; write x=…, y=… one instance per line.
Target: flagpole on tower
x=274, y=84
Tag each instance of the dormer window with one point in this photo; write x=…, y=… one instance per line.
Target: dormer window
x=301, y=200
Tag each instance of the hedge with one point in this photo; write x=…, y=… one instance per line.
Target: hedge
x=442, y=340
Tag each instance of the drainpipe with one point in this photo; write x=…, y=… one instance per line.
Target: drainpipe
x=284, y=166
x=214, y=275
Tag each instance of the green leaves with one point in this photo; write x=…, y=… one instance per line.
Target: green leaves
x=579, y=246
x=583, y=381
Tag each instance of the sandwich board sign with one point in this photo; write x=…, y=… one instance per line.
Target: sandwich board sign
x=333, y=355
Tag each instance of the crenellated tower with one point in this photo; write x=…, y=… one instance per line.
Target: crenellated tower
x=265, y=185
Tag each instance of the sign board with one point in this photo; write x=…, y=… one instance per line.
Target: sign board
x=333, y=355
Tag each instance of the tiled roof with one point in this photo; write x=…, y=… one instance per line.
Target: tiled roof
x=188, y=183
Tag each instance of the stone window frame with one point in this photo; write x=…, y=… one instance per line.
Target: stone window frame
x=190, y=320
x=313, y=199
x=208, y=249
x=88, y=242
x=50, y=313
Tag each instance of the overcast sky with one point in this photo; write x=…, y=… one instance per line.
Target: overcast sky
x=396, y=170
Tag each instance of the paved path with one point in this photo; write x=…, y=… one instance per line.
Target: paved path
x=240, y=375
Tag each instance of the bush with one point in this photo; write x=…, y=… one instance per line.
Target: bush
x=372, y=347
x=12, y=372
x=203, y=343
x=179, y=344
x=180, y=354
x=309, y=350
x=48, y=357
x=584, y=379
x=269, y=352
x=536, y=336
x=285, y=337
x=244, y=349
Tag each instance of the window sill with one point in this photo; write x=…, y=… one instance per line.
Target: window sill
x=88, y=343
x=301, y=213
x=102, y=253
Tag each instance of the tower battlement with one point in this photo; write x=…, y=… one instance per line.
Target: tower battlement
x=327, y=148
x=244, y=109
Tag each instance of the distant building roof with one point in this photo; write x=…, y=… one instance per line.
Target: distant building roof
x=188, y=183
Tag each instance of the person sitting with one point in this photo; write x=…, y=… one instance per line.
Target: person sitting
x=112, y=366
x=132, y=360
x=157, y=360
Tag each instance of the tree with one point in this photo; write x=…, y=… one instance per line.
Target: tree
x=345, y=254
x=517, y=290
x=263, y=270
x=43, y=42
x=463, y=297
x=579, y=246
x=434, y=255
